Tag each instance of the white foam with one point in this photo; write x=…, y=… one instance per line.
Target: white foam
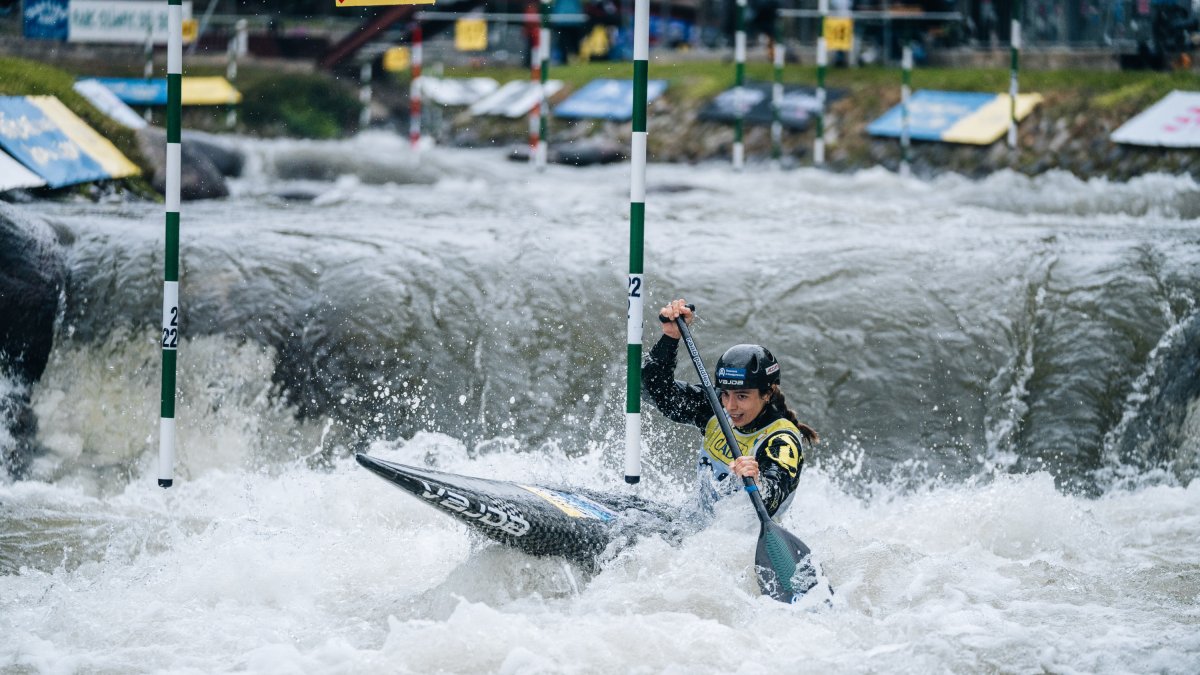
x=336, y=571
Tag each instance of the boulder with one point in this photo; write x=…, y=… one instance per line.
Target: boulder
x=221, y=152
x=32, y=278
x=200, y=178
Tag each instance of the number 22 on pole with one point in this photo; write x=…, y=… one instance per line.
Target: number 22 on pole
x=170, y=331
x=635, y=291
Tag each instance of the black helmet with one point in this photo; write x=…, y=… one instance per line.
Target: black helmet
x=747, y=367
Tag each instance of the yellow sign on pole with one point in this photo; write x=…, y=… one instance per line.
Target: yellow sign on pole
x=839, y=33
x=378, y=3
x=396, y=59
x=470, y=35
x=191, y=28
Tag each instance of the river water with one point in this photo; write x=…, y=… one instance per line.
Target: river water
x=1004, y=373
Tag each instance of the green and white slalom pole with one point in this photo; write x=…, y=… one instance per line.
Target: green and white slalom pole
x=739, y=81
x=233, y=50
x=906, y=63
x=364, y=95
x=170, y=313
x=544, y=102
x=777, y=99
x=822, y=63
x=637, y=228
x=1015, y=50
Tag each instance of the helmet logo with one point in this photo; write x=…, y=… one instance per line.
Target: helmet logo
x=731, y=376
x=773, y=368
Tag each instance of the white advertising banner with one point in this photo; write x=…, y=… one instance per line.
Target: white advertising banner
x=13, y=175
x=107, y=102
x=1173, y=122
x=514, y=99
x=124, y=21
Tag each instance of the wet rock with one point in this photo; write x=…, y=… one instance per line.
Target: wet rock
x=229, y=160
x=588, y=152
x=199, y=176
x=32, y=278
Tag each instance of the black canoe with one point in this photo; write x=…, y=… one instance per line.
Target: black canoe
x=574, y=524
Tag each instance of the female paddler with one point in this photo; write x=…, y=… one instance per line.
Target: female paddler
x=770, y=439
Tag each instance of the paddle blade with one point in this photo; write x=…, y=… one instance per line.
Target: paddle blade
x=783, y=564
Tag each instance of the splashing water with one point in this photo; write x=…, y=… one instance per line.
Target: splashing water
x=981, y=358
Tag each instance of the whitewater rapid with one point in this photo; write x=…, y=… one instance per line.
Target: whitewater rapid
x=998, y=368
x=336, y=571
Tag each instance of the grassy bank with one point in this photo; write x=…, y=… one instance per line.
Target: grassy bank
x=275, y=103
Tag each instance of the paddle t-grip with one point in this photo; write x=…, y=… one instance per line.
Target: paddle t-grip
x=664, y=319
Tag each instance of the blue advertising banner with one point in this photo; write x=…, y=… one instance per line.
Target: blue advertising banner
x=136, y=91
x=52, y=142
x=955, y=116
x=930, y=114
x=34, y=139
x=46, y=19
x=797, y=107
x=606, y=99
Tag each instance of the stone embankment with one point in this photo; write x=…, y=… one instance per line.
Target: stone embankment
x=1065, y=133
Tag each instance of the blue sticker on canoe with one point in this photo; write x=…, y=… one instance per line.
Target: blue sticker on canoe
x=575, y=506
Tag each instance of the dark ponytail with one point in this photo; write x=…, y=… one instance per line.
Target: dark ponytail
x=779, y=401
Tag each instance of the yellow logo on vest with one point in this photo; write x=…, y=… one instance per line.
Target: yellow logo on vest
x=716, y=447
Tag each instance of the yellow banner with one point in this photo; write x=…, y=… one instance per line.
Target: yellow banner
x=378, y=3
x=470, y=35
x=839, y=33
x=88, y=139
x=190, y=29
x=208, y=91
x=396, y=59
x=989, y=124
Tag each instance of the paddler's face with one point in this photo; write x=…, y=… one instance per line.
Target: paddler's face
x=743, y=405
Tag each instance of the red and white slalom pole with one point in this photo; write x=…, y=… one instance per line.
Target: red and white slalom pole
x=535, y=76
x=414, y=93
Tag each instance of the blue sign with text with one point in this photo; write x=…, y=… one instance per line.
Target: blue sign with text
x=36, y=141
x=46, y=19
x=135, y=91
x=606, y=99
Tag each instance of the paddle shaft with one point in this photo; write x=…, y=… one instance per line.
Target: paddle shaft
x=715, y=403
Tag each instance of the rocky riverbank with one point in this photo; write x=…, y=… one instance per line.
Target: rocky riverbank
x=1070, y=131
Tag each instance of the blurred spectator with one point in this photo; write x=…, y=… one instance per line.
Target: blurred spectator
x=570, y=32
x=988, y=23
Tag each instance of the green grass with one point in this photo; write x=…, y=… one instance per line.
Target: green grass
x=304, y=105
